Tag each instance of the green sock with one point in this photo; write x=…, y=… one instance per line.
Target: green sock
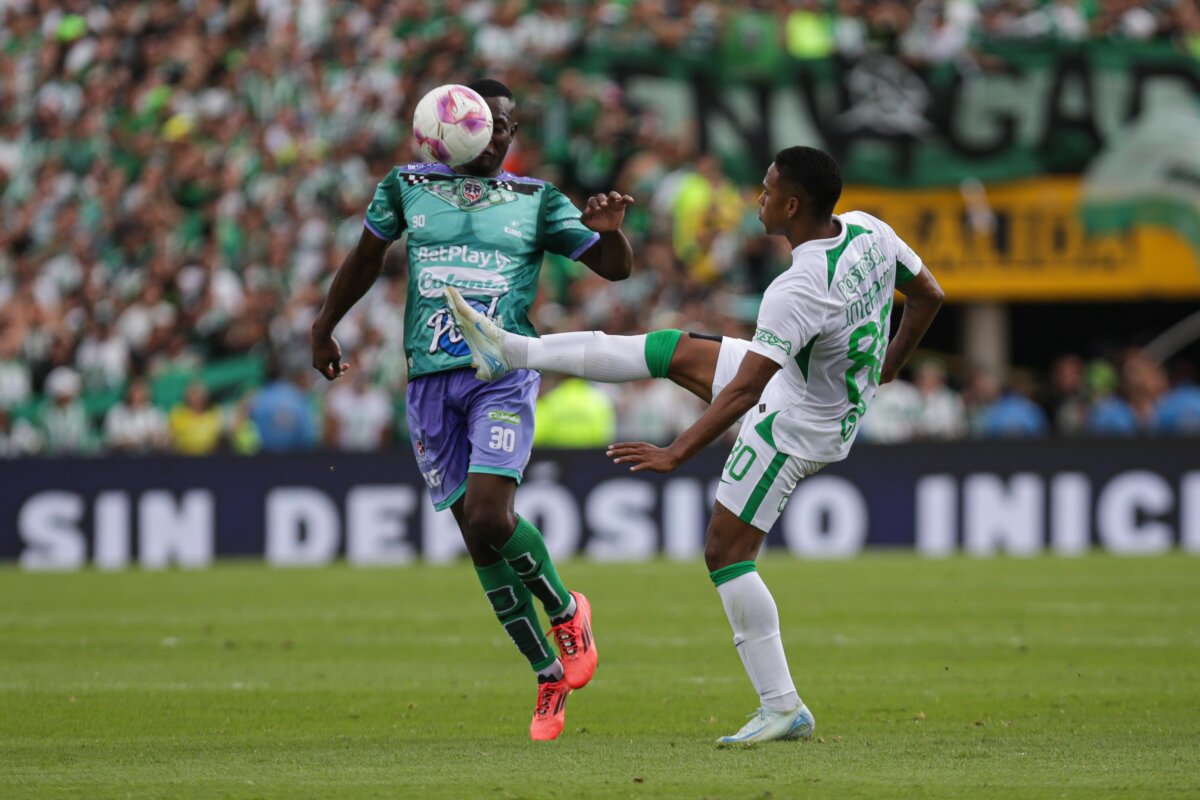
x=728, y=573
x=660, y=346
x=512, y=603
x=526, y=553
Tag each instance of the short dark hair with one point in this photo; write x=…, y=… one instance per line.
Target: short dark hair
x=814, y=171
x=487, y=87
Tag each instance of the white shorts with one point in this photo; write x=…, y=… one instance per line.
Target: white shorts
x=729, y=361
x=757, y=479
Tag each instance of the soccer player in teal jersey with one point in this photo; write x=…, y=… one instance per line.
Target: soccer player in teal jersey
x=484, y=231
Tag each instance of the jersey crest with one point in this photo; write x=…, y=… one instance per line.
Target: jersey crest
x=470, y=193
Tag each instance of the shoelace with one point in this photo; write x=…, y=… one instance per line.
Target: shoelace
x=545, y=696
x=567, y=642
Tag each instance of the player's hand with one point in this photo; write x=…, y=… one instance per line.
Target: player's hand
x=327, y=356
x=643, y=456
x=606, y=212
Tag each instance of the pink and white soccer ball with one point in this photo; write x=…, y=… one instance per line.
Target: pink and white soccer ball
x=452, y=124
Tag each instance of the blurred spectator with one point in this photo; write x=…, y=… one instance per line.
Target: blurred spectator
x=941, y=413
x=1067, y=404
x=1067, y=20
x=16, y=379
x=358, y=416
x=18, y=437
x=195, y=424
x=243, y=434
x=893, y=413
x=654, y=411
x=574, y=413
x=1179, y=410
x=136, y=426
x=283, y=417
x=1008, y=415
x=1108, y=415
x=103, y=357
x=1143, y=382
x=809, y=31
x=64, y=421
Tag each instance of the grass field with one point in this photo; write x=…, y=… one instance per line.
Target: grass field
x=959, y=678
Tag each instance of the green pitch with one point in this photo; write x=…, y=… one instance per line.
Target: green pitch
x=960, y=678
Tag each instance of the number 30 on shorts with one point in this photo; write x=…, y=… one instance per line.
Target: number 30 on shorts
x=503, y=439
x=741, y=459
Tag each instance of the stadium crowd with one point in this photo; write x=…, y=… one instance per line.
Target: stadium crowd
x=179, y=180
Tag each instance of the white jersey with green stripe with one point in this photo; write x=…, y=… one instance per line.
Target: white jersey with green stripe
x=825, y=321
x=484, y=236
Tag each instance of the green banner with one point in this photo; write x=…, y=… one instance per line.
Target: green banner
x=1035, y=109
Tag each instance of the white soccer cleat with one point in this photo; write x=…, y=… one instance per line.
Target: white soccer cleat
x=766, y=725
x=484, y=337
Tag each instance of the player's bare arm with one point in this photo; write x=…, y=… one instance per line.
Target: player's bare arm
x=612, y=256
x=352, y=280
x=922, y=299
x=737, y=398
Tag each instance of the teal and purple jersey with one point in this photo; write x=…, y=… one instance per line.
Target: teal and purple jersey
x=484, y=236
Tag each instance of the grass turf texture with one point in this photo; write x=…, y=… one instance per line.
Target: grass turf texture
x=958, y=678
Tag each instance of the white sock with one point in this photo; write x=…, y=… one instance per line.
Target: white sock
x=755, y=620
x=592, y=355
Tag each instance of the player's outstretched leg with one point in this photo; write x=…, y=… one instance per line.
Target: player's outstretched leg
x=591, y=355
x=570, y=612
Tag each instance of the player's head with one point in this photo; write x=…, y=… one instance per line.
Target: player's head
x=801, y=183
x=504, y=126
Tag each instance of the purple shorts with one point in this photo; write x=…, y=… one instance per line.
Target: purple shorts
x=460, y=424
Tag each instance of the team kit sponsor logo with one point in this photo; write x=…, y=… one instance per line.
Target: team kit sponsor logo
x=463, y=254
x=446, y=337
x=773, y=340
x=473, y=282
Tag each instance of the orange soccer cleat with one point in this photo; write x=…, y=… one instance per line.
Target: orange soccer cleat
x=550, y=713
x=575, y=644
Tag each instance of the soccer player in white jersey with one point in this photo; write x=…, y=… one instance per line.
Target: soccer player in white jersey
x=800, y=388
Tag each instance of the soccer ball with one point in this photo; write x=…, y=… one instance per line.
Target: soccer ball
x=452, y=124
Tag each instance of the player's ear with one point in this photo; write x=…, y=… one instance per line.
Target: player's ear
x=512, y=129
x=793, y=206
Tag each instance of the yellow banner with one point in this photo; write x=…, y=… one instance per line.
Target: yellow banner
x=1026, y=241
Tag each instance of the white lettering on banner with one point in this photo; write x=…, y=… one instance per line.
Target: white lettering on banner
x=113, y=528
x=49, y=526
x=302, y=527
x=937, y=508
x=683, y=519
x=1003, y=518
x=1117, y=514
x=441, y=540
x=1070, y=503
x=619, y=513
x=377, y=524
x=1189, y=513
x=175, y=533
x=554, y=510
x=826, y=517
